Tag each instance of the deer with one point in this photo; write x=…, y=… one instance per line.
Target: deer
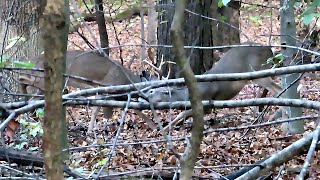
x=91, y=66
x=235, y=60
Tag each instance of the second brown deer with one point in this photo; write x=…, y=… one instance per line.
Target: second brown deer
x=235, y=60
x=90, y=66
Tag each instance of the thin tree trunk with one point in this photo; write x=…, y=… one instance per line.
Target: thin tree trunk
x=101, y=21
x=192, y=151
x=152, y=19
x=288, y=32
x=55, y=27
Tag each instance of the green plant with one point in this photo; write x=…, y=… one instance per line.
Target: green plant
x=311, y=12
x=5, y=61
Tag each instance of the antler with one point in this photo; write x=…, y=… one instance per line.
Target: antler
x=157, y=70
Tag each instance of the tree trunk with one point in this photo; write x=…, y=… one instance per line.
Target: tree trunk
x=165, y=15
x=223, y=34
x=200, y=31
x=104, y=40
x=55, y=26
x=19, y=20
x=192, y=151
x=152, y=25
x=288, y=30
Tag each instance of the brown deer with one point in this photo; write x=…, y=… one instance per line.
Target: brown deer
x=88, y=65
x=235, y=60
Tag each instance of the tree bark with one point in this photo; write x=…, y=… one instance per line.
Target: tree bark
x=19, y=20
x=20, y=23
x=104, y=40
x=189, y=158
x=152, y=25
x=288, y=30
x=55, y=27
x=200, y=32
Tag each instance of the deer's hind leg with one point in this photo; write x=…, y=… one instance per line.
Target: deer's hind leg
x=107, y=113
x=269, y=84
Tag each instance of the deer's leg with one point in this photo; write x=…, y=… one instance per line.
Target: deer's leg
x=107, y=112
x=23, y=88
x=269, y=84
x=92, y=122
x=181, y=116
x=262, y=95
x=149, y=122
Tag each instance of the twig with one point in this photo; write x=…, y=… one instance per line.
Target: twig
x=304, y=118
x=310, y=153
x=116, y=138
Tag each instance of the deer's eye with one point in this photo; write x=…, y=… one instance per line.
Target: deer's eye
x=151, y=91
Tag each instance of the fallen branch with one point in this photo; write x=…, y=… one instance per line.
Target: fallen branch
x=200, y=78
x=182, y=105
x=279, y=158
x=310, y=154
x=26, y=158
x=23, y=107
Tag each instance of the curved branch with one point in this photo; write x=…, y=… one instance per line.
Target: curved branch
x=193, y=149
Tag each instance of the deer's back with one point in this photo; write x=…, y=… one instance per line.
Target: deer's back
x=242, y=59
x=91, y=66
x=236, y=60
x=95, y=67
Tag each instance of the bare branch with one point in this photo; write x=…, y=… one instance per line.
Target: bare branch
x=310, y=153
x=279, y=158
x=192, y=151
